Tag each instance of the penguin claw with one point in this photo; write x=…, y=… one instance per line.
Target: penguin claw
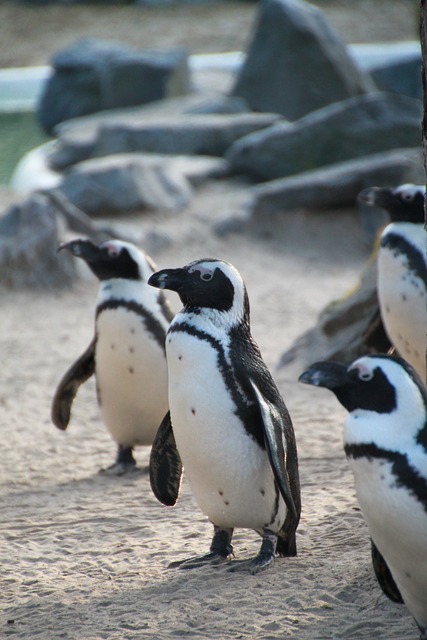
x=261, y=562
x=119, y=469
x=212, y=559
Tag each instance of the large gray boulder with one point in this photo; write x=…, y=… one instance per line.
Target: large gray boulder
x=296, y=63
x=393, y=66
x=346, y=329
x=93, y=75
x=29, y=238
x=118, y=184
x=350, y=129
x=336, y=185
x=190, y=134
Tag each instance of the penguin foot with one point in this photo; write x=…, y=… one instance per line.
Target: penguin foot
x=124, y=462
x=262, y=560
x=211, y=558
x=220, y=551
x=119, y=469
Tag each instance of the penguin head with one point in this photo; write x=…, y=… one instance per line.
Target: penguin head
x=377, y=386
x=404, y=203
x=112, y=259
x=207, y=283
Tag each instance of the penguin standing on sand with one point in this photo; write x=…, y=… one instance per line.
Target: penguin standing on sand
x=385, y=441
x=228, y=425
x=127, y=353
x=402, y=270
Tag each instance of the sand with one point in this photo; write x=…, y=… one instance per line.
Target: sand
x=84, y=555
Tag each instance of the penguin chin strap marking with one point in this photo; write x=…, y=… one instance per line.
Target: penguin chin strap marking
x=221, y=550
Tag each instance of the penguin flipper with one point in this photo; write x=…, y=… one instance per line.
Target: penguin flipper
x=80, y=371
x=276, y=447
x=165, y=464
x=383, y=575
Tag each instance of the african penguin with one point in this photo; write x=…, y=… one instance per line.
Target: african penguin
x=127, y=353
x=385, y=441
x=402, y=270
x=228, y=423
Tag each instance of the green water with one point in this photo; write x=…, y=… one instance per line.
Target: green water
x=19, y=133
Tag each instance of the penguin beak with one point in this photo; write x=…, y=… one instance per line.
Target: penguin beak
x=173, y=279
x=376, y=197
x=84, y=249
x=330, y=375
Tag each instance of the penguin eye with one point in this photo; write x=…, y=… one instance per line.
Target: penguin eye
x=363, y=372
x=206, y=276
x=406, y=196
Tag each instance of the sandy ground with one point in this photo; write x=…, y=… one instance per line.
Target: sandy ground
x=83, y=555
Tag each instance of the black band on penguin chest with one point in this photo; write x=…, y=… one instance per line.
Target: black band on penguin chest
x=246, y=410
x=396, y=243
x=152, y=325
x=406, y=475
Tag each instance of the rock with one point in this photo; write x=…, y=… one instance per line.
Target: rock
x=118, y=184
x=350, y=129
x=296, y=63
x=394, y=67
x=93, y=75
x=346, y=329
x=337, y=184
x=28, y=247
x=191, y=134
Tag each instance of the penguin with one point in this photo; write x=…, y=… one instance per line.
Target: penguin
x=402, y=269
x=227, y=425
x=127, y=353
x=385, y=442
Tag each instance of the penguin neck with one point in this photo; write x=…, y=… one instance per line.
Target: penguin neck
x=126, y=290
x=210, y=320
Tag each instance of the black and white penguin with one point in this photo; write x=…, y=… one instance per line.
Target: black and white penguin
x=127, y=353
x=385, y=441
x=228, y=423
x=402, y=269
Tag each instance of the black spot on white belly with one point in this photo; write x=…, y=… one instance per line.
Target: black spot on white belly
x=132, y=331
x=193, y=411
x=262, y=492
x=404, y=297
x=113, y=346
x=130, y=369
x=131, y=350
x=180, y=357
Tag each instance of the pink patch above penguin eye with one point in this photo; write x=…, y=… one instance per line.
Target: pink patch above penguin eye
x=205, y=274
x=364, y=373
x=112, y=250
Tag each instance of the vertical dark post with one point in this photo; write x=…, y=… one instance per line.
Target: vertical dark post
x=423, y=35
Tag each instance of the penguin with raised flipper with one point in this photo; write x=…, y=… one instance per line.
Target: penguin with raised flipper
x=385, y=441
x=228, y=425
x=127, y=353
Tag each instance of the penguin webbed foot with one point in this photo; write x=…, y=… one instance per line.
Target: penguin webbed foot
x=210, y=558
x=124, y=462
x=262, y=560
x=220, y=551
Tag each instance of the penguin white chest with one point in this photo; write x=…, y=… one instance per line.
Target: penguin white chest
x=402, y=298
x=131, y=377
x=229, y=473
x=398, y=525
